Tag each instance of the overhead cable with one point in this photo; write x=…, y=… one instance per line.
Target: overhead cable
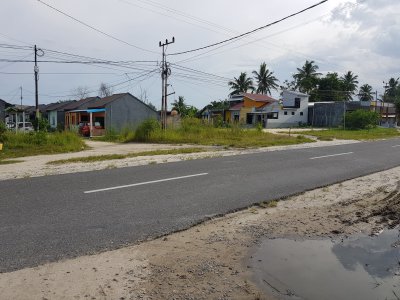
x=249, y=32
x=95, y=29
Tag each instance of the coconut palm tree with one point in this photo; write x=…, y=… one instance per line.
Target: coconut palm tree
x=349, y=84
x=307, y=77
x=390, y=92
x=265, y=80
x=365, y=93
x=241, y=84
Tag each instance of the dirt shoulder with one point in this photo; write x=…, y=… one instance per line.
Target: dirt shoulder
x=35, y=166
x=209, y=261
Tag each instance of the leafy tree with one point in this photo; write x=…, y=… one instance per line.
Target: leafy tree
x=365, y=93
x=306, y=77
x=288, y=85
x=390, y=92
x=330, y=88
x=241, y=84
x=349, y=85
x=220, y=104
x=361, y=119
x=179, y=105
x=265, y=80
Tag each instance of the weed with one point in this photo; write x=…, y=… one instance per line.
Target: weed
x=272, y=203
x=95, y=158
x=152, y=162
x=9, y=162
x=325, y=189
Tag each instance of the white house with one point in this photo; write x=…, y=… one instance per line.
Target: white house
x=291, y=111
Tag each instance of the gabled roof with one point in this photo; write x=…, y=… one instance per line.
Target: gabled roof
x=58, y=106
x=237, y=106
x=259, y=97
x=32, y=109
x=106, y=100
x=81, y=104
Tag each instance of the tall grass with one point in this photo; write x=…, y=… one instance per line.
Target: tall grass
x=194, y=131
x=34, y=143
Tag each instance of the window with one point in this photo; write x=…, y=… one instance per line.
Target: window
x=272, y=115
x=301, y=113
x=292, y=113
x=285, y=113
x=297, y=102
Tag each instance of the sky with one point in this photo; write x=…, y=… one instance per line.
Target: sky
x=339, y=35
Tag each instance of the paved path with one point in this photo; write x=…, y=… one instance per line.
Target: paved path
x=54, y=217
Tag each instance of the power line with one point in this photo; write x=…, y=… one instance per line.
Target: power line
x=251, y=31
x=94, y=28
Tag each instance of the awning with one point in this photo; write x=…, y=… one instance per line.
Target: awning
x=93, y=110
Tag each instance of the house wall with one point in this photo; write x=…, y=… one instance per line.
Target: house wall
x=127, y=111
x=294, y=116
x=52, y=117
x=251, y=103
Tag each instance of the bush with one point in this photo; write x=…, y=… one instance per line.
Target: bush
x=361, y=119
x=144, y=131
x=41, y=124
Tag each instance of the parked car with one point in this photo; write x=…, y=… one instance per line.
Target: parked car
x=27, y=126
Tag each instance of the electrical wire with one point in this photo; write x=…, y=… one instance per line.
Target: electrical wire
x=251, y=31
x=95, y=29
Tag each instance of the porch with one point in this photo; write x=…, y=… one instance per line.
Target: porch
x=95, y=118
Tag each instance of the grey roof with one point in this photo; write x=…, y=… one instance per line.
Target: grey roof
x=81, y=104
x=58, y=106
x=106, y=100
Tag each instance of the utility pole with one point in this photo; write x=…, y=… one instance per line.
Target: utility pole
x=38, y=52
x=165, y=72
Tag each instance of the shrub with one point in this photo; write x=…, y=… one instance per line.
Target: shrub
x=144, y=131
x=361, y=119
x=41, y=124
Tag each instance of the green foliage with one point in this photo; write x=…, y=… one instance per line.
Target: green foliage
x=41, y=124
x=3, y=129
x=241, y=84
x=194, y=131
x=183, y=109
x=362, y=134
x=266, y=81
x=361, y=119
x=19, y=144
x=145, y=130
x=365, y=93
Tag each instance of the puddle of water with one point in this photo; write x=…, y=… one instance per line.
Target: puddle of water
x=358, y=269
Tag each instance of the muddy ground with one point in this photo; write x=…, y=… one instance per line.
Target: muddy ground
x=210, y=261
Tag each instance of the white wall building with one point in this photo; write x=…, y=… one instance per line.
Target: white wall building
x=291, y=111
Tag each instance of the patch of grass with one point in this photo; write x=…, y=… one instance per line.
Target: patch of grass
x=9, y=162
x=193, y=131
x=96, y=158
x=35, y=143
x=364, y=134
x=269, y=204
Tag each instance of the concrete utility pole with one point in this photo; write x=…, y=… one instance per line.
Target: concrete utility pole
x=165, y=72
x=38, y=52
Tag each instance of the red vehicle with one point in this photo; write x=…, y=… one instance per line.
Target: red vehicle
x=84, y=129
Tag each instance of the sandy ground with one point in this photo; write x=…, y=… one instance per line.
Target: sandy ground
x=34, y=166
x=209, y=261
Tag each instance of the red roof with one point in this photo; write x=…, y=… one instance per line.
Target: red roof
x=259, y=97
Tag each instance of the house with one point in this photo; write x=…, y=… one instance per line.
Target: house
x=252, y=109
x=31, y=112
x=115, y=112
x=16, y=114
x=55, y=113
x=76, y=112
x=244, y=108
x=3, y=106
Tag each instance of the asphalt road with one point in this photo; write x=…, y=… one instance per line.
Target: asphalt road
x=49, y=218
